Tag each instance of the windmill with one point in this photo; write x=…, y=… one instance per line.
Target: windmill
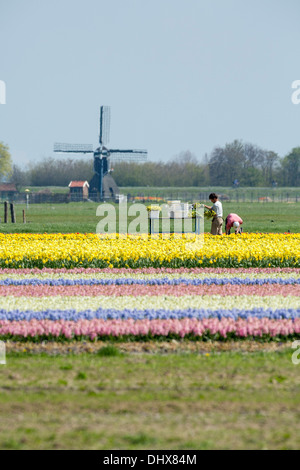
x=102, y=155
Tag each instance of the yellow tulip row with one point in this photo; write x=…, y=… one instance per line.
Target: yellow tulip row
x=92, y=250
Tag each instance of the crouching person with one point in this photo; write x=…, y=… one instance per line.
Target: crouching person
x=233, y=221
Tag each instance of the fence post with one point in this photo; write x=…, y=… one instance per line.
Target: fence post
x=5, y=212
x=12, y=213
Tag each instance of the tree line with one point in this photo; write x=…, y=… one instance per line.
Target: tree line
x=53, y=172
x=238, y=163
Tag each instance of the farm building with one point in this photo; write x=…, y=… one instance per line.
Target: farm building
x=79, y=190
x=8, y=191
x=110, y=188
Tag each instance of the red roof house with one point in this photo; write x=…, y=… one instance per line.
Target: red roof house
x=79, y=190
x=8, y=191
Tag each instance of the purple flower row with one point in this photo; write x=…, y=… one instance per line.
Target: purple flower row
x=152, y=282
x=149, y=314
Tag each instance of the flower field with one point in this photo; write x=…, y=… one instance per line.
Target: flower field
x=92, y=250
x=85, y=287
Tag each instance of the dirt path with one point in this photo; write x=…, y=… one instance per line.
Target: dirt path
x=151, y=347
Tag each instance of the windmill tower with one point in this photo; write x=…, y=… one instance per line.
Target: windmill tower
x=102, y=155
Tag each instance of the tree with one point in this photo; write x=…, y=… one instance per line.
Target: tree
x=226, y=164
x=183, y=170
x=59, y=172
x=5, y=161
x=291, y=168
x=248, y=163
x=19, y=177
x=269, y=165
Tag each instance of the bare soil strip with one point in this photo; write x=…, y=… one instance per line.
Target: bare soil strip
x=153, y=347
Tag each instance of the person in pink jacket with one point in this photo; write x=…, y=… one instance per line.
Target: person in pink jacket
x=233, y=220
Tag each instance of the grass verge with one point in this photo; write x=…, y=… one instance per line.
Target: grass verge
x=216, y=400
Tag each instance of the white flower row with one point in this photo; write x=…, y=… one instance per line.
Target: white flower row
x=130, y=275
x=213, y=302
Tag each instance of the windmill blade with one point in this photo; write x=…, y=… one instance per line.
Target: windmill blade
x=73, y=148
x=104, y=125
x=117, y=155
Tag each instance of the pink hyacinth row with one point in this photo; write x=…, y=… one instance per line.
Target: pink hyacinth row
x=93, y=328
x=150, y=270
x=140, y=290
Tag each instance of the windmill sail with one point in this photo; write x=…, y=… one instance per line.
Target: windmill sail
x=73, y=148
x=104, y=125
x=117, y=156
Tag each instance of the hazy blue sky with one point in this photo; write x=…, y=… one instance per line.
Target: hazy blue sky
x=178, y=74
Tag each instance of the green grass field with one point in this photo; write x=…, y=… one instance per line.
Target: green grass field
x=249, y=193
x=52, y=189
x=221, y=400
x=244, y=194
x=81, y=217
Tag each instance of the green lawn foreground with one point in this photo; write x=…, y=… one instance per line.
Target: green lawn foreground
x=221, y=400
x=81, y=217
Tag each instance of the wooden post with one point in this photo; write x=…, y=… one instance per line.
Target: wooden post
x=12, y=213
x=24, y=217
x=5, y=212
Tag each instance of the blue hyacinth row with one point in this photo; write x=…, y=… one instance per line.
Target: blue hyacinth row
x=151, y=314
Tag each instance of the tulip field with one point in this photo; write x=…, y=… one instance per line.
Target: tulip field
x=86, y=287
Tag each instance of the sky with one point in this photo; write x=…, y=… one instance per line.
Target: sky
x=178, y=74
